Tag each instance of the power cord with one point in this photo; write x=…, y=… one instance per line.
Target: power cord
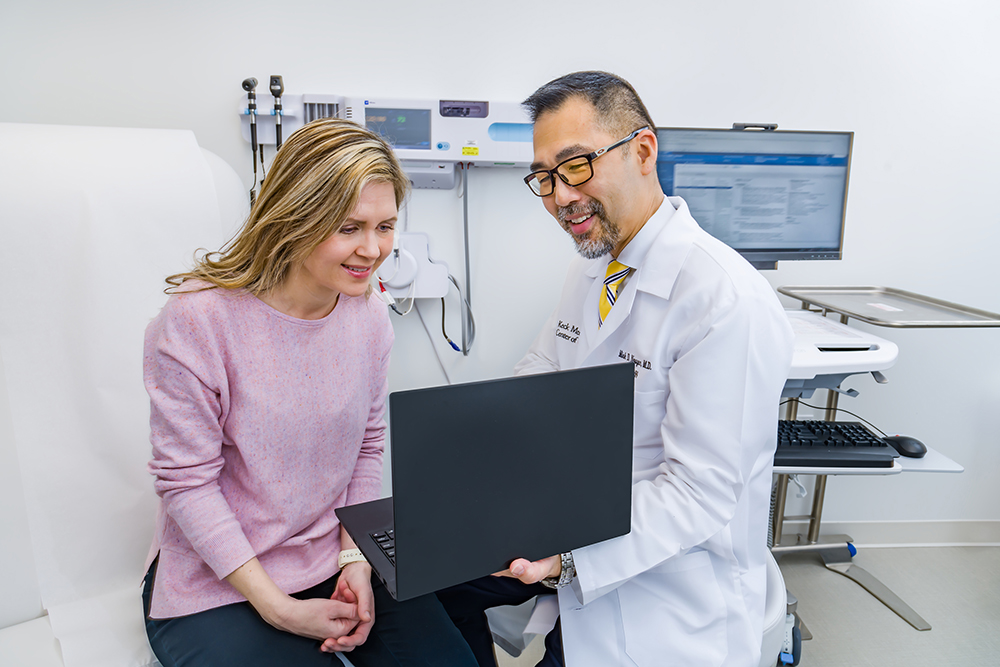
x=437, y=355
x=263, y=170
x=816, y=407
x=445, y=333
x=468, y=309
x=461, y=190
x=410, y=296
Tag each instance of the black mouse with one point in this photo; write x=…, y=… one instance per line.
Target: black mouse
x=907, y=446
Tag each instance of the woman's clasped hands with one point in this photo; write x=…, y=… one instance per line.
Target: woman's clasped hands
x=354, y=588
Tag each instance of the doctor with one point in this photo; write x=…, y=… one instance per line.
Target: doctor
x=711, y=347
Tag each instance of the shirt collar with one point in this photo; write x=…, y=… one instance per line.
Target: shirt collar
x=633, y=254
x=670, y=249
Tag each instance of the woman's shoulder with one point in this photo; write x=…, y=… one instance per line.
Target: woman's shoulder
x=370, y=312
x=195, y=295
x=198, y=305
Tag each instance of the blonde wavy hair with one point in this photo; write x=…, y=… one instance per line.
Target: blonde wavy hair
x=312, y=187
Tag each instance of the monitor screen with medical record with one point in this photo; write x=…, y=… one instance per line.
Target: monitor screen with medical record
x=771, y=195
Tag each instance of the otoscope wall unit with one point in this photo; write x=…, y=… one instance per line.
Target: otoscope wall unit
x=296, y=111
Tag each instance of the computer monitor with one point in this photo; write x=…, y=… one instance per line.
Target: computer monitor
x=771, y=195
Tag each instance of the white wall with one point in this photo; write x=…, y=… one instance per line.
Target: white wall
x=916, y=81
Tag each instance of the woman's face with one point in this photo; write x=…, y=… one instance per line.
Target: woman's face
x=344, y=262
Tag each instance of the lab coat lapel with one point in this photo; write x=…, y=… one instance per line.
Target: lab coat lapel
x=590, y=317
x=655, y=276
x=659, y=272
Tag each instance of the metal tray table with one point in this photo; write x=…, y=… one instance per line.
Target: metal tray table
x=888, y=307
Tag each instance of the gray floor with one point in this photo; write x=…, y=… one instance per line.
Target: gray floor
x=956, y=589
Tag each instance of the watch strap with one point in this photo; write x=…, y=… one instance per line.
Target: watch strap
x=348, y=556
x=567, y=574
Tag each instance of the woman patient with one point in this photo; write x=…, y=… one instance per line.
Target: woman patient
x=266, y=372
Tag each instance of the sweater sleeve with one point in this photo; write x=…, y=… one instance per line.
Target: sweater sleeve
x=366, y=480
x=185, y=378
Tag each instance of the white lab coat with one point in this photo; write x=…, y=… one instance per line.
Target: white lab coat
x=712, y=348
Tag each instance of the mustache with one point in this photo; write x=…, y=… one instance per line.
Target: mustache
x=563, y=213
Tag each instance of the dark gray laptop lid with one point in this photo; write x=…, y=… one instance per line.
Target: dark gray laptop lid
x=529, y=466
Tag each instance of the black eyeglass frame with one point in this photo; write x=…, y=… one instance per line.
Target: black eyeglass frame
x=590, y=163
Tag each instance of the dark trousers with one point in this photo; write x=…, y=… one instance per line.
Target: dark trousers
x=467, y=603
x=414, y=633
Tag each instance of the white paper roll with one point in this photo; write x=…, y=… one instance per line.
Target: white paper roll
x=93, y=220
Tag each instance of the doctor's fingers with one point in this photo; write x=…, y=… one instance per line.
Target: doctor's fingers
x=529, y=572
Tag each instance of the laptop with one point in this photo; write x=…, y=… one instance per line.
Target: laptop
x=486, y=472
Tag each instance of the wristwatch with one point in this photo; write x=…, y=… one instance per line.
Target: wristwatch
x=567, y=574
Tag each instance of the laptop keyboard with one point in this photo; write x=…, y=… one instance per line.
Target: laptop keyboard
x=387, y=543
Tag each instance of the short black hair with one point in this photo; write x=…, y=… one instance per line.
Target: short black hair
x=618, y=107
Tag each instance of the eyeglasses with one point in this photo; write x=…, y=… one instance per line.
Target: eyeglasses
x=573, y=171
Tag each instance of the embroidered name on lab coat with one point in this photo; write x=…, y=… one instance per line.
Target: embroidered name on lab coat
x=639, y=363
x=568, y=331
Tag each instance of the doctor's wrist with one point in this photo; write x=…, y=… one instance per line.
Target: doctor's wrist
x=565, y=574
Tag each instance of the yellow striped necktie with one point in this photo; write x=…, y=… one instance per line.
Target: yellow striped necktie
x=613, y=279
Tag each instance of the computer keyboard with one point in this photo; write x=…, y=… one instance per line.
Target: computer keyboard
x=387, y=543
x=831, y=444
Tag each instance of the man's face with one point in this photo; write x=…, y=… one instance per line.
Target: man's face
x=588, y=212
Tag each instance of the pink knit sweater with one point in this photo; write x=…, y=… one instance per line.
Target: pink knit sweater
x=261, y=425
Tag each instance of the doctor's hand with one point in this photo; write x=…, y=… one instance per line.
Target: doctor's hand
x=529, y=572
x=354, y=586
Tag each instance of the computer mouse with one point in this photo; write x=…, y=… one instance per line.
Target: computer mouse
x=907, y=446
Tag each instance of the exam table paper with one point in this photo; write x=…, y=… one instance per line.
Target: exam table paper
x=93, y=219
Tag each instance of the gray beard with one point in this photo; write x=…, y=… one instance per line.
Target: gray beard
x=596, y=247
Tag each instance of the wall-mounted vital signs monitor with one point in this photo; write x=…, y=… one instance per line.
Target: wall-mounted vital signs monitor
x=407, y=128
x=483, y=133
x=771, y=195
